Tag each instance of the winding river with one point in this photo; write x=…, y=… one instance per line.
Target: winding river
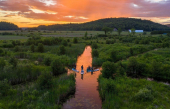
x=86, y=95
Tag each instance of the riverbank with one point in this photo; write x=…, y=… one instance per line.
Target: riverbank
x=32, y=97
x=124, y=92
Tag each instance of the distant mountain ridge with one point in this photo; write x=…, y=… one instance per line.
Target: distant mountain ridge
x=168, y=25
x=8, y=26
x=123, y=23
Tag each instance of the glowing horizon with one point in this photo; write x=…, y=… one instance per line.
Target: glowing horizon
x=32, y=13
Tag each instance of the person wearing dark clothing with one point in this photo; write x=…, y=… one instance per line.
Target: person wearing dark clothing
x=82, y=67
x=91, y=70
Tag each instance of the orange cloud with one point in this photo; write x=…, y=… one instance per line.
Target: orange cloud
x=63, y=11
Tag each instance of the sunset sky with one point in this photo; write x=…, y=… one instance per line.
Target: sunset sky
x=31, y=13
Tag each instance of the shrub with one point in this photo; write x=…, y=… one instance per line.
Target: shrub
x=62, y=50
x=4, y=87
x=75, y=40
x=32, y=48
x=64, y=42
x=108, y=69
x=16, y=49
x=57, y=67
x=45, y=80
x=2, y=63
x=113, y=55
x=13, y=61
x=47, y=61
x=110, y=87
x=94, y=46
x=95, y=53
x=143, y=95
x=40, y=48
x=1, y=51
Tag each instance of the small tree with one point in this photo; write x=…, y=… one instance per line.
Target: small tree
x=47, y=61
x=57, y=67
x=75, y=40
x=85, y=35
x=32, y=48
x=64, y=42
x=108, y=69
x=119, y=31
x=40, y=48
x=2, y=63
x=106, y=29
x=94, y=46
x=133, y=31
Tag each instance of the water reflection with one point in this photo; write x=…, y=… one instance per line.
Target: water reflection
x=86, y=96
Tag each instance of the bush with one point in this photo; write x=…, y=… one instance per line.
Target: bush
x=57, y=67
x=143, y=95
x=13, y=61
x=75, y=40
x=113, y=55
x=94, y=46
x=2, y=63
x=95, y=53
x=47, y=61
x=108, y=69
x=101, y=35
x=64, y=42
x=4, y=87
x=62, y=50
x=45, y=80
x=16, y=49
x=32, y=48
x=40, y=48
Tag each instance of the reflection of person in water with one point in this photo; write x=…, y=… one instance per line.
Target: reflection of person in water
x=91, y=70
x=82, y=72
x=82, y=76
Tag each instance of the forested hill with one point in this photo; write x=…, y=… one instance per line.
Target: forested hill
x=123, y=23
x=8, y=26
x=168, y=25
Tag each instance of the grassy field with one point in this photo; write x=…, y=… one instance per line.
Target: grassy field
x=12, y=37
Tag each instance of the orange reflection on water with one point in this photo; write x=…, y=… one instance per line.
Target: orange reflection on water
x=86, y=96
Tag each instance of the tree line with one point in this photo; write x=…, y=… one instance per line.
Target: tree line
x=123, y=23
x=8, y=26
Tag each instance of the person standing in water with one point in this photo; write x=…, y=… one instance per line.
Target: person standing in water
x=82, y=67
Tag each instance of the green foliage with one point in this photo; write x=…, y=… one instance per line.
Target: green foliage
x=95, y=53
x=107, y=29
x=64, y=42
x=62, y=50
x=45, y=80
x=4, y=87
x=47, y=61
x=143, y=95
x=94, y=46
x=131, y=51
x=119, y=31
x=8, y=26
x=2, y=63
x=32, y=48
x=108, y=69
x=85, y=35
x=75, y=40
x=13, y=61
x=40, y=48
x=133, y=31
x=16, y=49
x=113, y=55
x=57, y=67
x=123, y=23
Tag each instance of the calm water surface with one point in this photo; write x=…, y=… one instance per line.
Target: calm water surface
x=86, y=95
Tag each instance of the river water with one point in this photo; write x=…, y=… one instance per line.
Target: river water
x=86, y=95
